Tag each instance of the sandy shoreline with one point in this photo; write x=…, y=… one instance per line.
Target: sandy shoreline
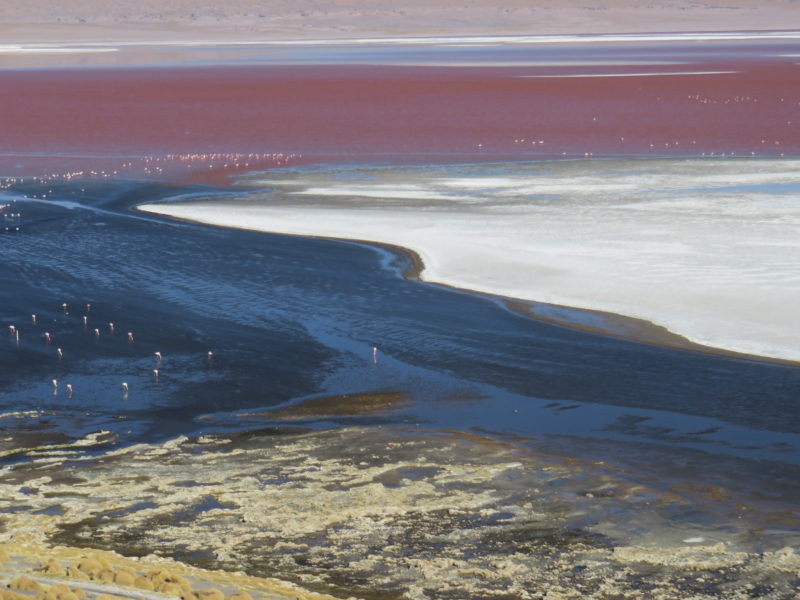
x=80, y=21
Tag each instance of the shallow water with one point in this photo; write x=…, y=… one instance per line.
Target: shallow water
x=289, y=318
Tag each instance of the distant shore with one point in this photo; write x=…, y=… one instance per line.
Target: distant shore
x=81, y=21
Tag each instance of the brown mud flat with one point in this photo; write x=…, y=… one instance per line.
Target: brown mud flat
x=348, y=405
x=391, y=513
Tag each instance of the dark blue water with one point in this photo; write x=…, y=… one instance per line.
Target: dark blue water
x=289, y=319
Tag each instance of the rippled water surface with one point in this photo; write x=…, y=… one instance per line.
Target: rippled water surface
x=288, y=318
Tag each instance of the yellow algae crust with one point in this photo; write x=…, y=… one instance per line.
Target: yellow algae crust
x=378, y=512
x=67, y=573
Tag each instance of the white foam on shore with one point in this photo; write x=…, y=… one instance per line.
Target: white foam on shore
x=707, y=248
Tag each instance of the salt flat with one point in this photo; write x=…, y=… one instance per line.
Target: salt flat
x=704, y=247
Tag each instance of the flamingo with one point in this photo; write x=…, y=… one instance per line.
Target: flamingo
x=55, y=386
x=60, y=353
x=130, y=337
x=375, y=355
x=33, y=319
x=69, y=390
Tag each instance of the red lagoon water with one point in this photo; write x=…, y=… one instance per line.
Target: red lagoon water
x=60, y=120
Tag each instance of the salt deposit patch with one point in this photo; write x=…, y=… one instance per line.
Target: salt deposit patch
x=641, y=74
x=707, y=248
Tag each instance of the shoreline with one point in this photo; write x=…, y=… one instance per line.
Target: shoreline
x=76, y=20
x=620, y=326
